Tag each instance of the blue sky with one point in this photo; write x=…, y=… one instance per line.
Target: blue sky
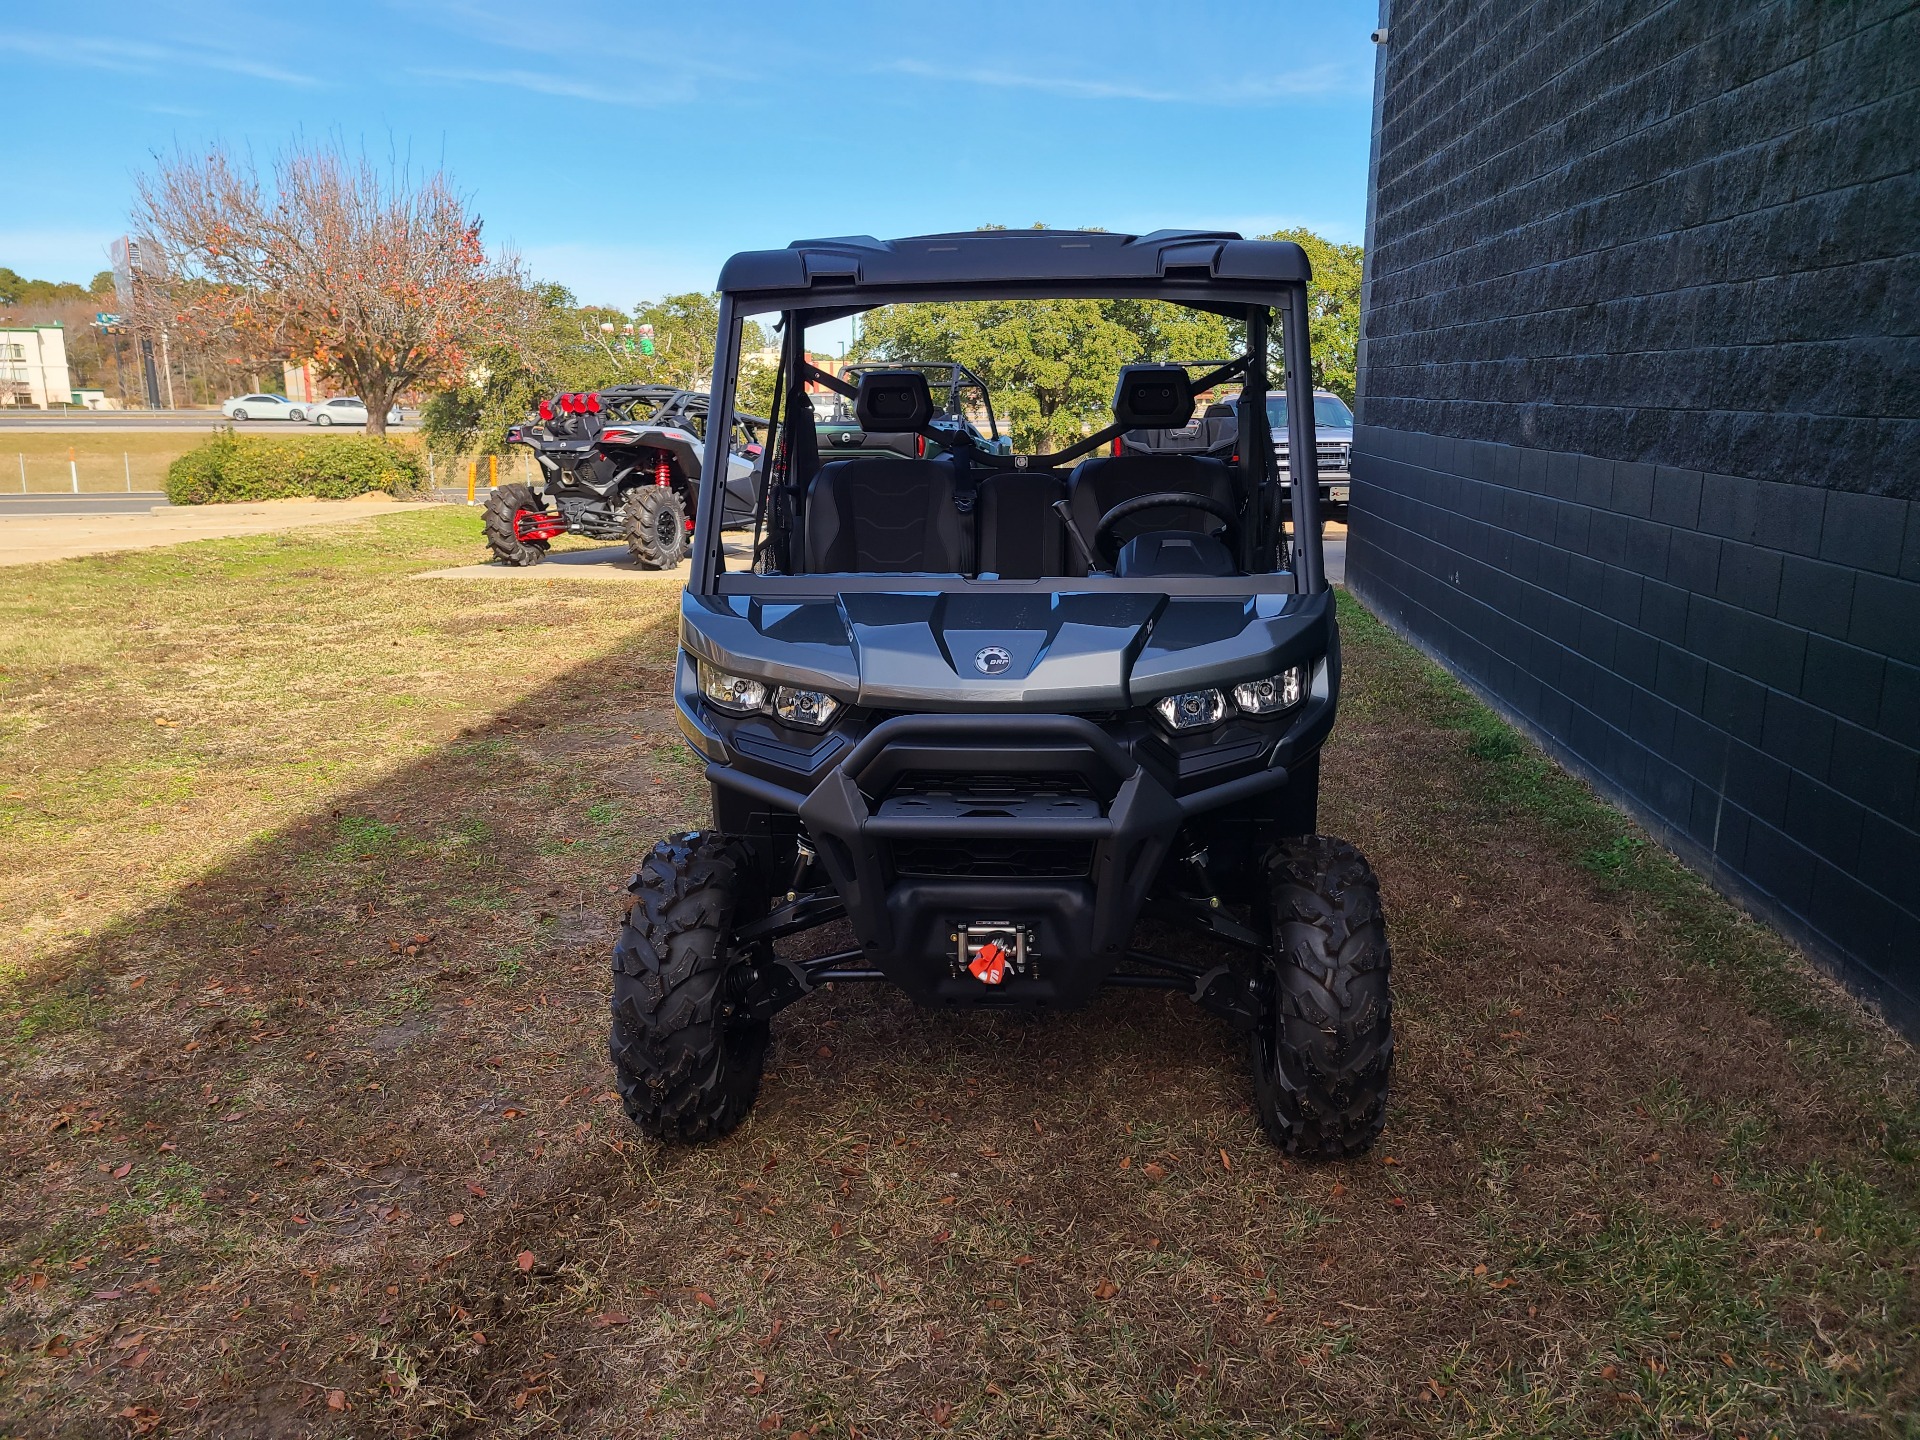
x=627, y=157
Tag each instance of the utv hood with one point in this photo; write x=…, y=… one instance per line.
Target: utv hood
x=1076, y=650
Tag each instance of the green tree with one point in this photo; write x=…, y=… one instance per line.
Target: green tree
x=1333, y=305
x=1049, y=364
x=565, y=346
x=17, y=289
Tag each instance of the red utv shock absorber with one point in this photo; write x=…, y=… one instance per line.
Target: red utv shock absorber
x=663, y=472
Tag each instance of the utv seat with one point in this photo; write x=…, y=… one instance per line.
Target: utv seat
x=883, y=516
x=1101, y=483
x=1021, y=536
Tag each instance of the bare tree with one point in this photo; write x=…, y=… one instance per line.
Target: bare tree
x=382, y=282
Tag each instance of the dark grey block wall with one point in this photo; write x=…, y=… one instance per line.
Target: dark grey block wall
x=1639, y=451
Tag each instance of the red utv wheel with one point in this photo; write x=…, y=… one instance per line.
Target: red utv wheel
x=656, y=524
x=519, y=526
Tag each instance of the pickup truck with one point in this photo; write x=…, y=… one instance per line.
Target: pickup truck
x=1214, y=433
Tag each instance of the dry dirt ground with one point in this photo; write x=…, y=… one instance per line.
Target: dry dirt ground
x=306, y=1126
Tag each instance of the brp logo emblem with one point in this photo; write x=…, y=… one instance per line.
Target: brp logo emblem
x=992, y=660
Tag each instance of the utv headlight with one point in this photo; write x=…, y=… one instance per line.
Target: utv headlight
x=1272, y=694
x=809, y=709
x=1191, y=709
x=731, y=693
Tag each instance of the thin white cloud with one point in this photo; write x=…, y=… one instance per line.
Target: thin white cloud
x=541, y=83
x=134, y=57
x=507, y=29
x=1326, y=79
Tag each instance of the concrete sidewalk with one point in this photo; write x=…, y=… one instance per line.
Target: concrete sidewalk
x=28, y=539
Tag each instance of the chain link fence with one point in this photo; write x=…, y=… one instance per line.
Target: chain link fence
x=75, y=473
x=449, y=477
x=461, y=478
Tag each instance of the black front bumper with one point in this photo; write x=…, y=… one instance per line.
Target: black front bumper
x=909, y=925
x=1090, y=796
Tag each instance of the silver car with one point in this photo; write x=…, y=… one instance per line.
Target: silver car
x=263, y=407
x=347, y=410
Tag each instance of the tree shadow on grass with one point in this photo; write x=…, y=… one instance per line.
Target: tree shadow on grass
x=331, y=1126
x=324, y=1143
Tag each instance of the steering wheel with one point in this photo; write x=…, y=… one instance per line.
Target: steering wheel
x=1162, y=500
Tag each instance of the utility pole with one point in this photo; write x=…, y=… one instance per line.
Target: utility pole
x=166, y=365
x=152, y=375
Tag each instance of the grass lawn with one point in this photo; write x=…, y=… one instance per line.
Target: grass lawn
x=307, y=1123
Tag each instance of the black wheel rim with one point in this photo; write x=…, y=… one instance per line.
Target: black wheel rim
x=666, y=528
x=1266, y=1031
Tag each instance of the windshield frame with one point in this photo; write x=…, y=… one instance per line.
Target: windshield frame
x=1299, y=560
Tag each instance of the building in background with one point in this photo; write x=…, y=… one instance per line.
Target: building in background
x=302, y=383
x=33, y=366
x=1639, y=444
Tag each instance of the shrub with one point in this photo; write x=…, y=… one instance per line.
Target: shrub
x=230, y=468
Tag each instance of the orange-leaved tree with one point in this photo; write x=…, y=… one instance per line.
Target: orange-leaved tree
x=380, y=281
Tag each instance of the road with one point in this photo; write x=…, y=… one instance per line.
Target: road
x=120, y=502
x=27, y=539
x=109, y=422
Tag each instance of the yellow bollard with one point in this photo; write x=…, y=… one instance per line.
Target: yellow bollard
x=493, y=472
x=473, y=471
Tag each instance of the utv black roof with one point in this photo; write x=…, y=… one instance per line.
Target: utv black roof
x=816, y=272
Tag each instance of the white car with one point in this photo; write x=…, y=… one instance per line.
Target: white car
x=346, y=410
x=263, y=407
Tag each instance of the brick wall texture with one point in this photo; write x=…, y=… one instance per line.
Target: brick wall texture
x=1639, y=444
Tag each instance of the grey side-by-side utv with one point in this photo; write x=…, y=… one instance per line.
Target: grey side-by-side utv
x=622, y=463
x=1013, y=718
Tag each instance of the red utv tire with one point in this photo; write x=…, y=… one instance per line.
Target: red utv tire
x=508, y=508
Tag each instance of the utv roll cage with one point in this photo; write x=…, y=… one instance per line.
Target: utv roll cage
x=662, y=405
x=813, y=282
x=953, y=380
x=920, y=716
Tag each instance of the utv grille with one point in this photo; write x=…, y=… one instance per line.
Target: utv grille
x=989, y=789
x=992, y=859
x=959, y=798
